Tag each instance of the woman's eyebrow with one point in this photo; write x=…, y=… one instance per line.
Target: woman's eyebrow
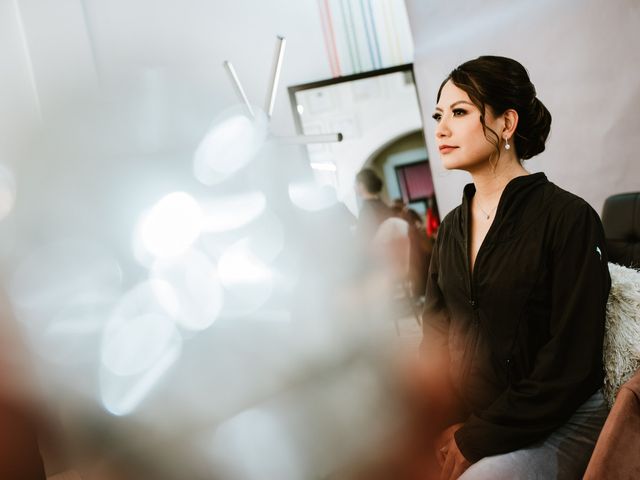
x=455, y=103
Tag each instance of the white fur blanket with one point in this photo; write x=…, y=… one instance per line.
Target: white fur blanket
x=622, y=330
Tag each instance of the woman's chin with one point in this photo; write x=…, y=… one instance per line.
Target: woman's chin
x=452, y=163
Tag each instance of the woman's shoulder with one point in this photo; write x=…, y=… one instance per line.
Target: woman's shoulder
x=566, y=204
x=451, y=219
x=571, y=214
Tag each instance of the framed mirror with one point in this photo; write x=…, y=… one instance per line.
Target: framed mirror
x=378, y=115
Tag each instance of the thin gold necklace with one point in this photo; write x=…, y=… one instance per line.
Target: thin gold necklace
x=487, y=214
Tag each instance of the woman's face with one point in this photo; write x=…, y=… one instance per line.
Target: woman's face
x=459, y=133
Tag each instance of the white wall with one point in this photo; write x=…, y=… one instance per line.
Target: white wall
x=139, y=83
x=74, y=42
x=584, y=60
x=193, y=38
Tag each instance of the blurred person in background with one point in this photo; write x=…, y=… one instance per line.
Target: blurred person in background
x=419, y=246
x=373, y=210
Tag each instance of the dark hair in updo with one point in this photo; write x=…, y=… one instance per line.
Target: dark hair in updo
x=370, y=180
x=502, y=84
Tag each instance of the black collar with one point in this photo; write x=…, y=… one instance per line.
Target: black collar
x=517, y=204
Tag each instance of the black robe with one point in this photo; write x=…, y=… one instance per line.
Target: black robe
x=524, y=332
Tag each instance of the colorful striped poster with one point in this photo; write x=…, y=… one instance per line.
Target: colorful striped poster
x=364, y=35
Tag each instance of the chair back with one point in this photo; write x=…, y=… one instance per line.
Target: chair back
x=621, y=221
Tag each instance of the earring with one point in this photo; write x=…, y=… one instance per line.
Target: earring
x=506, y=144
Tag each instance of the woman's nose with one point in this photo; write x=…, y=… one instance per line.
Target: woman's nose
x=442, y=129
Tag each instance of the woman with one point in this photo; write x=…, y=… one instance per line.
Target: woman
x=517, y=289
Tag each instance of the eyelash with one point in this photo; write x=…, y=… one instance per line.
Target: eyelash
x=457, y=112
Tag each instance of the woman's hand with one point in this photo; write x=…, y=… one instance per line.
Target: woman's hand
x=451, y=459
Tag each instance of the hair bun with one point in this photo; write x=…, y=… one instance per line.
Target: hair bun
x=533, y=129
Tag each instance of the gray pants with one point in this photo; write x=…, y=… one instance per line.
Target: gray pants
x=563, y=455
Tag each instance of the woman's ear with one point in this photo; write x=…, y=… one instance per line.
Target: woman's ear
x=510, y=123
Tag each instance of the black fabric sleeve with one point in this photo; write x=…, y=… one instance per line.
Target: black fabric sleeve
x=568, y=368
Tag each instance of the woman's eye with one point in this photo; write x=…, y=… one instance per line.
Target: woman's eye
x=436, y=117
x=458, y=112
